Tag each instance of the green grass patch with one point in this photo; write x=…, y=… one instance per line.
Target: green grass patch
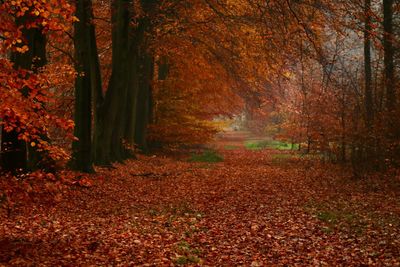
x=184, y=260
x=336, y=218
x=271, y=144
x=296, y=156
x=283, y=156
x=207, y=166
x=208, y=156
x=188, y=254
x=327, y=230
x=328, y=216
x=180, y=209
x=183, y=208
x=311, y=156
x=231, y=147
x=280, y=159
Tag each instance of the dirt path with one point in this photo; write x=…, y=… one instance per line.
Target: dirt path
x=257, y=208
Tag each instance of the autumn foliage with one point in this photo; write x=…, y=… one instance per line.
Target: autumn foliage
x=26, y=90
x=199, y=133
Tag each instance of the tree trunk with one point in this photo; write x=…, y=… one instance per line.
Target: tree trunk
x=87, y=84
x=131, y=105
x=391, y=97
x=368, y=97
x=110, y=129
x=389, y=55
x=15, y=155
x=124, y=115
x=144, y=104
x=367, y=67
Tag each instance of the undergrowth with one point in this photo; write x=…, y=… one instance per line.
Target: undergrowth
x=209, y=156
x=271, y=144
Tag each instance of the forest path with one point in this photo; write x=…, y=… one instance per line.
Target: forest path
x=236, y=139
x=256, y=208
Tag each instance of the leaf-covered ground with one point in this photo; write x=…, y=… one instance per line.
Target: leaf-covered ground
x=256, y=208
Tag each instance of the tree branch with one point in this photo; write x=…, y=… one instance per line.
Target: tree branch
x=66, y=53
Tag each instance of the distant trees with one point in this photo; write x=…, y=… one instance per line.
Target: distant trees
x=358, y=103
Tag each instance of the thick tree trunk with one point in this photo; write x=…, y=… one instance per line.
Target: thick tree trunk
x=87, y=84
x=126, y=110
x=110, y=129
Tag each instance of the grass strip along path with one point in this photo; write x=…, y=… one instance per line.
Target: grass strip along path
x=248, y=210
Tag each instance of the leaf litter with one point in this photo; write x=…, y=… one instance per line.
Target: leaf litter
x=160, y=211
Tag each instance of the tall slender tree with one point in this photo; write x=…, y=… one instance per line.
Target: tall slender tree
x=146, y=65
x=368, y=97
x=389, y=55
x=389, y=78
x=367, y=65
x=144, y=106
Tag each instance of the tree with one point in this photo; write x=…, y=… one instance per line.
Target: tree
x=14, y=150
x=87, y=85
x=112, y=112
x=367, y=66
x=388, y=39
x=24, y=117
x=144, y=107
